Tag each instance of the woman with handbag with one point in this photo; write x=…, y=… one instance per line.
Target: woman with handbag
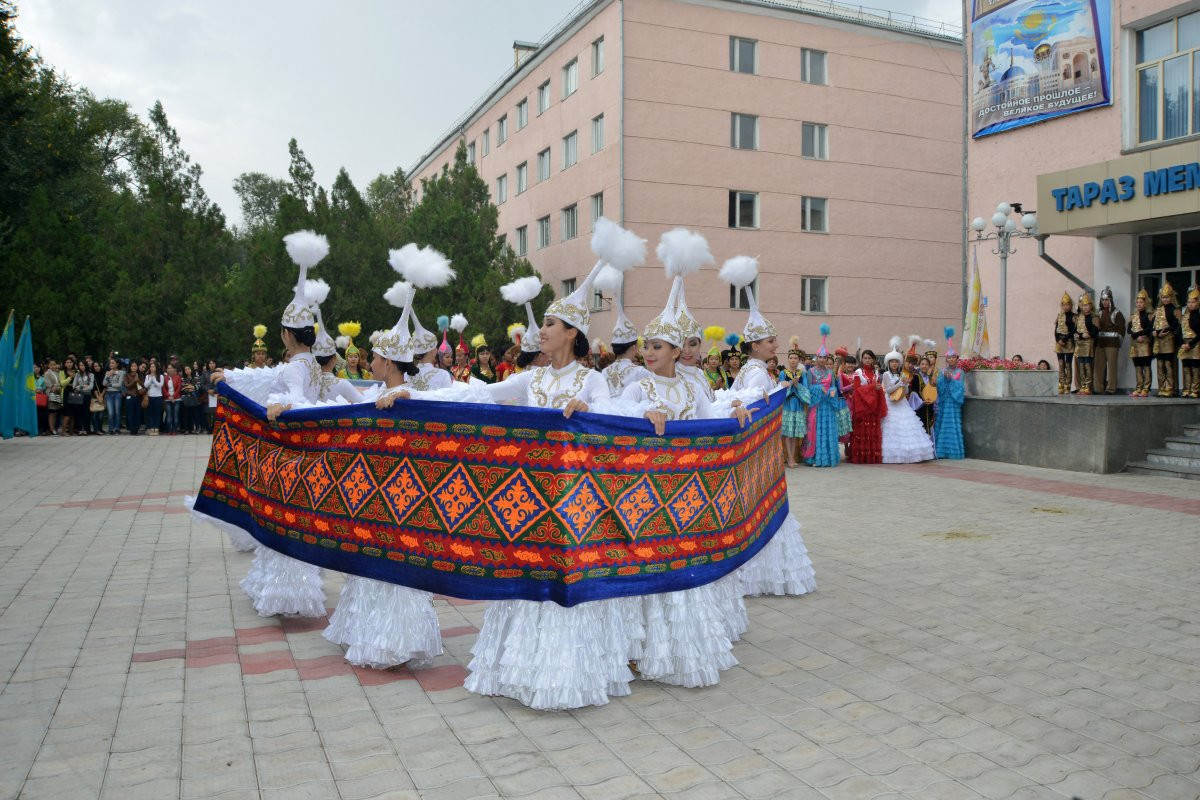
x=153, y=402
x=170, y=390
x=71, y=398
x=82, y=385
x=188, y=423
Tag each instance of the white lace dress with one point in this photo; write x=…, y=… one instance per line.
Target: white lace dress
x=904, y=438
x=622, y=372
x=689, y=634
x=783, y=566
x=541, y=654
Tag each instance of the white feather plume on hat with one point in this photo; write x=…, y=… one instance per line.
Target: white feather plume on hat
x=608, y=279
x=683, y=252
x=423, y=267
x=400, y=294
x=621, y=248
x=739, y=271
x=316, y=290
x=342, y=342
x=306, y=248
x=894, y=342
x=522, y=290
x=458, y=322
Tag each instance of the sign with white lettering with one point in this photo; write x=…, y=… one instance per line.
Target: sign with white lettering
x=1034, y=60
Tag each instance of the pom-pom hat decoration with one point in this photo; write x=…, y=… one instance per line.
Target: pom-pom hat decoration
x=349, y=330
x=894, y=353
x=317, y=291
x=610, y=280
x=520, y=292
x=740, y=272
x=306, y=249
x=682, y=253
x=459, y=323
x=950, y=351
x=516, y=332
x=613, y=245
x=259, y=345
x=424, y=268
x=823, y=350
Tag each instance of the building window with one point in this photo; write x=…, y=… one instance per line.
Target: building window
x=815, y=219
x=598, y=299
x=502, y=130
x=597, y=207
x=812, y=295
x=814, y=141
x=597, y=56
x=501, y=189
x=570, y=78
x=471, y=153
x=743, y=131
x=487, y=141
x=1168, y=78
x=522, y=176
x=1170, y=257
x=597, y=133
x=522, y=240
x=543, y=97
x=812, y=66
x=743, y=210
x=568, y=286
x=743, y=55
x=570, y=222
x=738, y=298
x=544, y=165
x=543, y=231
x=522, y=114
x=570, y=149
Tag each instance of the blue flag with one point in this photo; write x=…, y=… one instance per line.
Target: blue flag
x=23, y=386
x=6, y=365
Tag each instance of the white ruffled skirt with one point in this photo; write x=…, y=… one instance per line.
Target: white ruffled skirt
x=687, y=636
x=277, y=584
x=904, y=438
x=383, y=625
x=241, y=541
x=552, y=658
x=782, y=567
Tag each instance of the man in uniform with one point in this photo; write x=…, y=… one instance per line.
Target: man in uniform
x=1064, y=342
x=1112, y=329
x=1166, y=340
x=1189, y=350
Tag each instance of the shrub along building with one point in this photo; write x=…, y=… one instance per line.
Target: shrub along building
x=822, y=139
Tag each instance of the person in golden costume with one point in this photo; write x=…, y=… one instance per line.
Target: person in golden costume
x=1064, y=342
x=1189, y=350
x=1166, y=340
x=1141, y=344
x=1087, y=331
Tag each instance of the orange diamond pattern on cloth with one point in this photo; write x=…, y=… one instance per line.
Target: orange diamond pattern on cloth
x=319, y=480
x=516, y=505
x=289, y=475
x=456, y=497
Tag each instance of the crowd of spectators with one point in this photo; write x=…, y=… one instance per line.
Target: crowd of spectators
x=91, y=397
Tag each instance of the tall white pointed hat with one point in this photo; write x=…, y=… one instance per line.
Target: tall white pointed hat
x=316, y=291
x=306, y=249
x=613, y=245
x=422, y=268
x=396, y=344
x=610, y=280
x=682, y=253
x=740, y=272
x=521, y=292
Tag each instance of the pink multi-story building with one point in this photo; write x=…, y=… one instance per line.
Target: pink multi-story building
x=822, y=139
x=1115, y=184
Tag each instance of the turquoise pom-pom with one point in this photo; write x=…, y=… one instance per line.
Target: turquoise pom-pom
x=824, y=329
x=949, y=330
x=443, y=323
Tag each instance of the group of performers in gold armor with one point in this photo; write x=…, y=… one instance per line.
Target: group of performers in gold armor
x=1087, y=341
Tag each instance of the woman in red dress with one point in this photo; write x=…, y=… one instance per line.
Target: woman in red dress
x=867, y=411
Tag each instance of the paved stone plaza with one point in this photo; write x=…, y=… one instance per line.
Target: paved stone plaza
x=981, y=630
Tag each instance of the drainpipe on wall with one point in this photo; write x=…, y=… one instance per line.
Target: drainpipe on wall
x=1049, y=259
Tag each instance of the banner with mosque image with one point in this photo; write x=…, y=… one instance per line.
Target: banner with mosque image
x=1033, y=60
x=500, y=502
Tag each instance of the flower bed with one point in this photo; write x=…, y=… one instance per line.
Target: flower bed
x=968, y=364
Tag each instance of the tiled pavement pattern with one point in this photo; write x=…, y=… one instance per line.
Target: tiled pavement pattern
x=981, y=630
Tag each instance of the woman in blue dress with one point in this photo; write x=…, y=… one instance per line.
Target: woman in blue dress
x=951, y=393
x=794, y=416
x=824, y=396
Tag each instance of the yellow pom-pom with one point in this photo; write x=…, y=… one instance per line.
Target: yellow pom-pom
x=714, y=333
x=478, y=340
x=260, y=331
x=350, y=329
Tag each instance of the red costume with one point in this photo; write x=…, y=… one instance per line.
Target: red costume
x=867, y=410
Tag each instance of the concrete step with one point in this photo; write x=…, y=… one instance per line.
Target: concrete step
x=1191, y=430
x=1162, y=470
x=1184, y=444
x=1174, y=458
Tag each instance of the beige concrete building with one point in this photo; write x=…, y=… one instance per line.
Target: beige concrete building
x=823, y=140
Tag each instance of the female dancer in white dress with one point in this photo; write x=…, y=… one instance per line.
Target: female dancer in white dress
x=904, y=438
x=688, y=637
x=782, y=566
x=624, y=370
x=383, y=624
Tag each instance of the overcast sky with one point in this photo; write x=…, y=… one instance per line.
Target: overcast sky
x=365, y=86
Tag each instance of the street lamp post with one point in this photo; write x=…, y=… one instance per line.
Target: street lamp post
x=1006, y=230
